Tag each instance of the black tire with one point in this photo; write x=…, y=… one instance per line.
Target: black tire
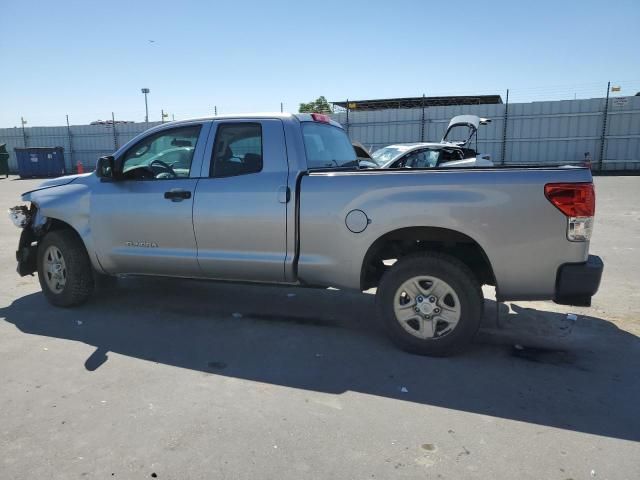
x=79, y=283
x=462, y=281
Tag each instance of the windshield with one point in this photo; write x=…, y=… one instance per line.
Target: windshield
x=387, y=154
x=327, y=146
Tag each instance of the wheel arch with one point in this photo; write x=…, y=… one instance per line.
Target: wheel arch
x=48, y=224
x=404, y=241
x=57, y=224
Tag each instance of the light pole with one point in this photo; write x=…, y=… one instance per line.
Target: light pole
x=146, y=105
x=23, y=122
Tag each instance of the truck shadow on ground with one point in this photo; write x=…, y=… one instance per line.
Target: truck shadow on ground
x=329, y=341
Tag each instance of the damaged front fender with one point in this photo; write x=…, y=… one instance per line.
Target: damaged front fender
x=56, y=206
x=39, y=222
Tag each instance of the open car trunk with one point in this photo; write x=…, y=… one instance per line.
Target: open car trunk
x=460, y=123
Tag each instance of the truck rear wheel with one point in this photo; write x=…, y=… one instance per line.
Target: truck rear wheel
x=64, y=269
x=431, y=304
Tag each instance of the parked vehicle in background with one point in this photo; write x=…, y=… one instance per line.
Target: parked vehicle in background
x=280, y=198
x=364, y=159
x=454, y=150
x=361, y=151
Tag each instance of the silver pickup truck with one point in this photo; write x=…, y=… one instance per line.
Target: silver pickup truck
x=280, y=199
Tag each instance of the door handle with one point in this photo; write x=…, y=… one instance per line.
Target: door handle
x=177, y=195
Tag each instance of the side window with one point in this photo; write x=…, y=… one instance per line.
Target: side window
x=237, y=150
x=422, y=159
x=165, y=155
x=450, y=155
x=410, y=160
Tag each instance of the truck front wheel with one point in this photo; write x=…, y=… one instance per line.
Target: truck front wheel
x=64, y=269
x=431, y=304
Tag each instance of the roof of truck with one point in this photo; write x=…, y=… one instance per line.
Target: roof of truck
x=237, y=115
x=303, y=117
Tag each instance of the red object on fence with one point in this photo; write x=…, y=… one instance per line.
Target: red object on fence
x=79, y=167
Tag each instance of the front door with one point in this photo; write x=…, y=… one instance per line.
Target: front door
x=142, y=222
x=240, y=208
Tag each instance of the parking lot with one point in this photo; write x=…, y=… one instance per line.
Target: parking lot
x=171, y=379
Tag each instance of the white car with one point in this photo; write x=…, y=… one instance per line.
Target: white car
x=447, y=153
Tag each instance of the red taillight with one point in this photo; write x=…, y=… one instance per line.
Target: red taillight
x=320, y=117
x=572, y=199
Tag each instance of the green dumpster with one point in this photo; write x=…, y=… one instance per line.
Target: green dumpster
x=4, y=160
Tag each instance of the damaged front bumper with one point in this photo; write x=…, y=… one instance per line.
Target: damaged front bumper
x=26, y=255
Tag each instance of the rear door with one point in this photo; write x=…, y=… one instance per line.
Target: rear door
x=241, y=201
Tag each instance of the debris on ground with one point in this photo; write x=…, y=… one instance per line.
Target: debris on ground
x=404, y=390
x=565, y=326
x=236, y=315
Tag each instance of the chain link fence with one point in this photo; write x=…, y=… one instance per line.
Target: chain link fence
x=605, y=131
x=83, y=144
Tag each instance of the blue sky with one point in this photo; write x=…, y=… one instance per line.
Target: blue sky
x=89, y=58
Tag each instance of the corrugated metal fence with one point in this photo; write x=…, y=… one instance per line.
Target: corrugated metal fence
x=538, y=132
x=81, y=143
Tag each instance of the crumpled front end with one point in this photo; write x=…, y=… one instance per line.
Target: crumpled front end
x=55, y=204
x=32, y=223
x=20, y=215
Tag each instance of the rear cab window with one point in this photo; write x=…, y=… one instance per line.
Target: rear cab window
x=327, y=146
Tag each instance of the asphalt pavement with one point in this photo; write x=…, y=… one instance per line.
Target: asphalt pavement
x=186, y=379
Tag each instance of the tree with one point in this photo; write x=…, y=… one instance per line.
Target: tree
x=319, y=105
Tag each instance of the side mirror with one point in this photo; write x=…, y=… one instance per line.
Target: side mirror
x=105, y=168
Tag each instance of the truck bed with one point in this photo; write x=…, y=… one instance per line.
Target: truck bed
x=502, y=209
